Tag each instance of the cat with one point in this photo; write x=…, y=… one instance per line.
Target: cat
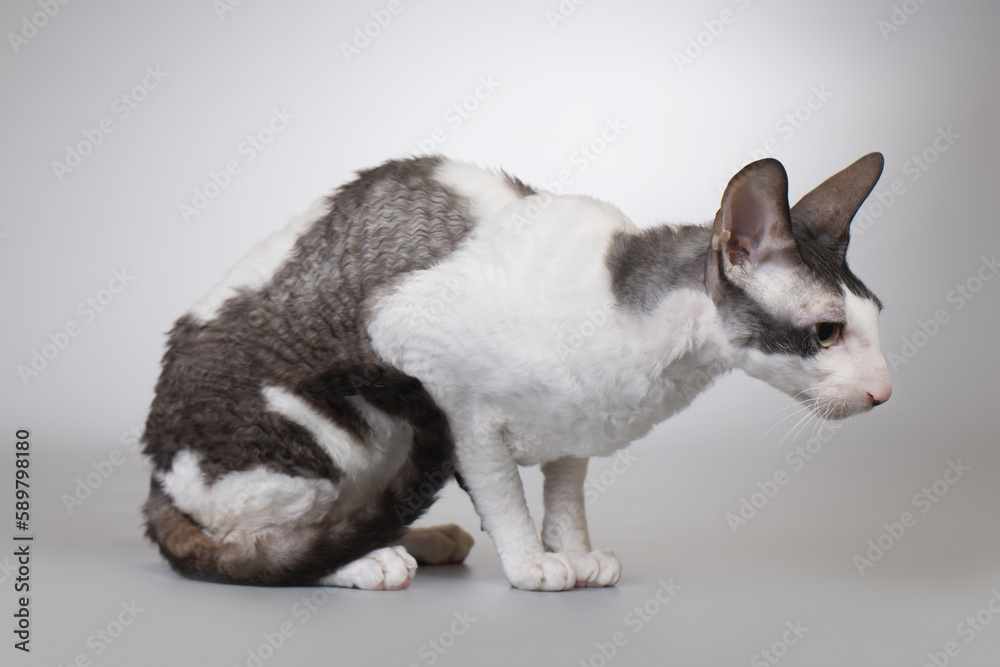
x=432, y=320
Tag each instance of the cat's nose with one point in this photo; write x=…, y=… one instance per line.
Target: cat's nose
x=880, y=396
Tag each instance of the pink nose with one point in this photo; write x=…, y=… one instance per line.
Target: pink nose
x=880, y=395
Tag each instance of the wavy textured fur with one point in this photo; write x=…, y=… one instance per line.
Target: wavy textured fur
x=298, y=330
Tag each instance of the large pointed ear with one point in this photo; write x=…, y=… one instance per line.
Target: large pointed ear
x=828, y=209
x=753, y=225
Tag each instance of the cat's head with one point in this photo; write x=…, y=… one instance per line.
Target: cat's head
x=803, y=322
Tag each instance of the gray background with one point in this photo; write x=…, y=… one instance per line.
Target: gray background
x=687, y=129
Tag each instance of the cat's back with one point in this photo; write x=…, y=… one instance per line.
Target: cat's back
x=391, y=219
x=295, y=305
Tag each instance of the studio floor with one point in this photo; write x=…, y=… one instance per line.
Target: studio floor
x=784, y=588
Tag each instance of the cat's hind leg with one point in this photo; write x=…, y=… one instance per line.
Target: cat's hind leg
x=386, y=569
x=438, y=545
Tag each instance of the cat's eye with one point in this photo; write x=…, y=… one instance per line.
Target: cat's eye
x=827, y=333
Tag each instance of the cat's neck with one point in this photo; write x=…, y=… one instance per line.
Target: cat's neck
x=648, y=266
x=663, y=276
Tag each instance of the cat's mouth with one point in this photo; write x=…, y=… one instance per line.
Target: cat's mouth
x=838, y=410
x=839, y=407
x=809, y=414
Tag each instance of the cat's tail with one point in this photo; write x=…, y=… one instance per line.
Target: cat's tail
x=192, y=552
x=303, y=555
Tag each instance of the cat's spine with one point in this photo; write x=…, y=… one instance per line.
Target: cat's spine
x=300, y=555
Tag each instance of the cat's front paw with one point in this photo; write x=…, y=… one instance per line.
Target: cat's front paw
x=540, y=572
x=597, y=568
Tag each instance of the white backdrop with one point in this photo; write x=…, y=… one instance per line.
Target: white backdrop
x=147, y=146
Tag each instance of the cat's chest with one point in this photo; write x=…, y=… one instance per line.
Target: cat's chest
x=609, y=392
x=523, y=319
x=545, y=426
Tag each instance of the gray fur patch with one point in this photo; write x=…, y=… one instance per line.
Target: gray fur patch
x=519, y=186
x=392, y=219
x=829, y=265
x=646, y=266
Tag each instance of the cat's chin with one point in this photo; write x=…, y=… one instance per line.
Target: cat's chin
x=839, y=409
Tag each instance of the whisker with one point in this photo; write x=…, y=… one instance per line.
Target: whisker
x=801, y=426
x=794, y=431
x=796, y=404
x=821, y=422
x=802, y=406
x=785, y=418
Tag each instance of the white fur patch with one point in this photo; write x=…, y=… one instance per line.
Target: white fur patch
x=387, y=569
x=530, y=332
x=259, y=265
x=789, y=293
x=366, y=466
x=487, y=191
x=862, y=319
x=841, y=380
x=246, y=501
x=348, y=455
x=862, y=343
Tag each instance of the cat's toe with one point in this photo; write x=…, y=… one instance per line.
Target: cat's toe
x=438, y=545
x=398, y=567
x=597, y=568
x=540, y=572
x=461, y=542
x=389, y=569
